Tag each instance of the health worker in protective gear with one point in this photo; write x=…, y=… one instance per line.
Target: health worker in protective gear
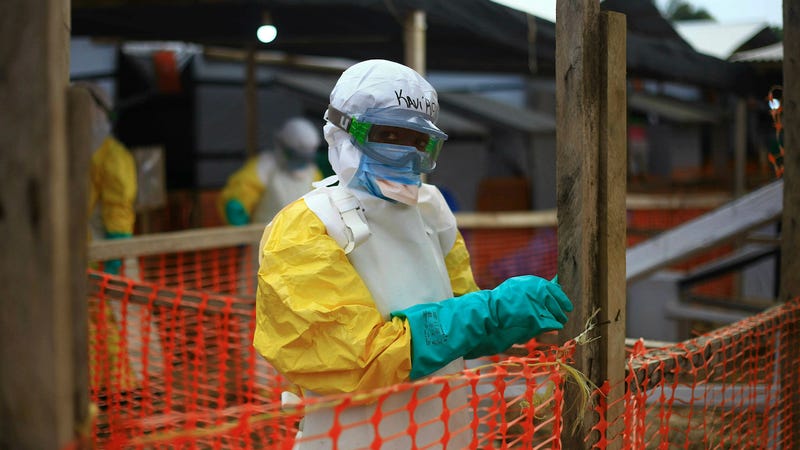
x=368, y=283
x=112, y=193
x=112, y=178
x=273, y=179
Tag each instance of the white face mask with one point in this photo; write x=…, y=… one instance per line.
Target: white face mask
x=404, y=193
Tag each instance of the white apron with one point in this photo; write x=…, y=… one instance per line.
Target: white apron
x=402, y=264
x=281, y=187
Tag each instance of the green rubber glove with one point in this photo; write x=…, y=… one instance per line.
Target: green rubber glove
x=113, y=266
x=483, y=322
x=235, y=213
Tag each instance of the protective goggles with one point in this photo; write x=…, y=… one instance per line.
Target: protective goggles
x=393, y=136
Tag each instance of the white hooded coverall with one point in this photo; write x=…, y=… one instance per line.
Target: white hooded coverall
x=323, y=316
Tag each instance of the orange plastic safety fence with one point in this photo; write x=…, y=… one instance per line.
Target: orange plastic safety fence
x=173, y=367
x=498, y=254
x=733, y=388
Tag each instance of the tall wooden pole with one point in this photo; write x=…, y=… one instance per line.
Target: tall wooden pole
x=790, y=223
x=414, y=41
x=414, y=47
x=251, y=102
x=79, y=114
x=612, y=225
x=36, y=365
x=740, y=148
x=590, y=162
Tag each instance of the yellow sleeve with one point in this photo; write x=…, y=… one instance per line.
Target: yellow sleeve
x=245, y=186
x=113, y=172
x=459, y=269
x=316, y=322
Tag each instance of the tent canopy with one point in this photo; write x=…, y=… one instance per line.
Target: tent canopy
x=464, y=35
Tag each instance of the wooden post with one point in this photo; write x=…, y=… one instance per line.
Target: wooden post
x=414, y=41
x=414, y=47
x=79, y=116
x=36, y=366
x=790, y=223
x=577, y=153
x=612, y=216
x=591, y=163
x=251, y=102
x=740, y=148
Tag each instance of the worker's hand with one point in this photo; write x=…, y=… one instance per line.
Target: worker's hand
x=546, y=297
x=235, y=213
x=483, y=322
x=114, y=266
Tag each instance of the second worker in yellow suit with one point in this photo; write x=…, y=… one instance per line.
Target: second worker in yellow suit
x=273, y=179
x=112, y=195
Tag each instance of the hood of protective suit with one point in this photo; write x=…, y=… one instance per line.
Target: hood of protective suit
x=373, y=84
x=297, y=141
x=101, y=109
x=299, y=135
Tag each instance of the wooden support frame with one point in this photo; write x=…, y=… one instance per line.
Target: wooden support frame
x=414, y=45
x=36, y=330
x=790, y=223
x=591, y=116
x=612, y=216
x=790, y=226
x=80, y=110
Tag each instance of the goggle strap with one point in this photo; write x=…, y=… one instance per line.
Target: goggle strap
x=338, y=118
x=359, y=130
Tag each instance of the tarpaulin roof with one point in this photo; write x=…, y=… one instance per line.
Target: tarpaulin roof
x=463, y=35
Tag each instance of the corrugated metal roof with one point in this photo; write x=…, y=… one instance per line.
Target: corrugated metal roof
x=770, y=53
x=672, y=109
x=717, y=39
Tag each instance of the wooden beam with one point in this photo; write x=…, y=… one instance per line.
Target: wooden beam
x=79, y=115
x=218, y=237
x=577, y=166
x=740, y=148
x=790, y=223
x=612, y=217
x=177, y=241
x=251, y=102
x=414, y=47
x=36, y=365
x=723, y=225
x=676, y=201
x=511, y=219
x=790, y=226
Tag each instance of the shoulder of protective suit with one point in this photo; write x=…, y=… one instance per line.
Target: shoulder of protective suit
x=437, y=214
x=294, y=223
x=433, y=206
x=341, y=213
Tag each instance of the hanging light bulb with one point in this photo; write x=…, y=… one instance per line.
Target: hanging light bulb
x=267, y=32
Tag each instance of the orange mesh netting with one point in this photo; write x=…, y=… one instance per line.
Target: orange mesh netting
x=172, y=366
x=180, y=373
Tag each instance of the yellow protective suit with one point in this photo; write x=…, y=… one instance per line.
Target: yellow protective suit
x=317, y=322
x=263, y=187
x=113, y=187
x=112, y=191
